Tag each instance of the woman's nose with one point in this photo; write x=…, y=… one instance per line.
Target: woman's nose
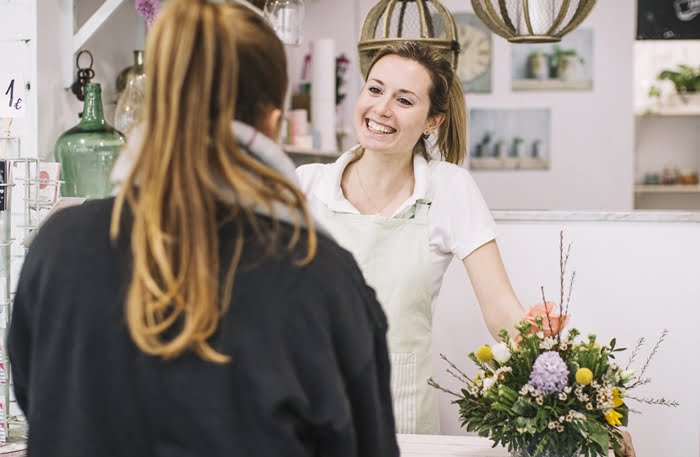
x=383, y=106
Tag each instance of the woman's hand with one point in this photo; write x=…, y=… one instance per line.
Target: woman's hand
x=627, y=447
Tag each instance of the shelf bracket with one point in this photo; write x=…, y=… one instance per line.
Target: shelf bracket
x=94, y=23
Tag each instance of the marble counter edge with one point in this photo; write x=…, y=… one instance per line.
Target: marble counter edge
x=595, y=216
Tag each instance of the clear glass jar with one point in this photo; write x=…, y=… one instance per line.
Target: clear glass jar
x=130, y=104
x=87, y=152
x=287, y=18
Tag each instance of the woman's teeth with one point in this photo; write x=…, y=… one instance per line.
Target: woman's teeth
x=377, y=128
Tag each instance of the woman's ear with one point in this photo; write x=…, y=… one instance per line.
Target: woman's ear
x=270, y=124
x=434, y=123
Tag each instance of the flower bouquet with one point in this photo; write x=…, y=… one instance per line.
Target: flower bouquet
x=545, y=394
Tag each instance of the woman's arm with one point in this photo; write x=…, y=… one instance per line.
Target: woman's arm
x=499, y=305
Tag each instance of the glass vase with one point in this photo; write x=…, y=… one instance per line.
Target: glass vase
x=130, y=104
x=88, y=151
x=526, y=453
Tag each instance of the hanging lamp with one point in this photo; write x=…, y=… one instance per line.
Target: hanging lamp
x=532, y=21
x=391, y=21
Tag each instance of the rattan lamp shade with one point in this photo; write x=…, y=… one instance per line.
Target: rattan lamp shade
x=532, y=21
x=390, y=21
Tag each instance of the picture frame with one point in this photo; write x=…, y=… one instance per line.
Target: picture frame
x=567, y=65
x=476, y=53
x=509, y=139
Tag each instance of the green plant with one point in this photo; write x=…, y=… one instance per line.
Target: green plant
x=685, y=79
x=556, y=55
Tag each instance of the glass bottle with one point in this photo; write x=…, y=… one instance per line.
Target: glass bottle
x=287, y=18
x=88, y=151
x=130, y=104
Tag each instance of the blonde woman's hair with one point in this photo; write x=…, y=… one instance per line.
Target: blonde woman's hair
x=446, y=98
x=207, y=64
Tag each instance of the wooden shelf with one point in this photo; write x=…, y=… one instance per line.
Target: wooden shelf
x=670, y=112
x=551, y=84
x=666, y=189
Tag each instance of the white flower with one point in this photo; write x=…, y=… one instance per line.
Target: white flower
x=548, y=343
x=488, y=382
x=501, y=352
x=627, y=375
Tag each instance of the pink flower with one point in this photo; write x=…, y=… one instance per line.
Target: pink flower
x=148, y=9
x=552, y=325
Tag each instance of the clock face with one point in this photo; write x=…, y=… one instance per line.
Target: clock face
x=475, y=57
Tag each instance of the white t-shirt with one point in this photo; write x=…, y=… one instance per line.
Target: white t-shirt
x=458, y=221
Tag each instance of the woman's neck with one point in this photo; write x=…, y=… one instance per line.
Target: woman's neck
x=384, y=173
x=378, y=183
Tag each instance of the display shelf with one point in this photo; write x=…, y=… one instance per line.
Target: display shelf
x=551, y=84
x=666, y=189
x=669, y=112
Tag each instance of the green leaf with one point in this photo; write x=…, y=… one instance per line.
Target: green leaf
x=524, y=407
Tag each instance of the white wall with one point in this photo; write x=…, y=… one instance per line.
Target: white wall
x=633, y=279
x=592, y=131
x=18, y=51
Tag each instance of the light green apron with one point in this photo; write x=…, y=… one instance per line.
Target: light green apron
x=394, y=258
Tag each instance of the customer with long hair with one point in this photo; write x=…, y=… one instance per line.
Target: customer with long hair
x=198, y=313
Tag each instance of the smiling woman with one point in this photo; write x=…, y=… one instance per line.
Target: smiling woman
x=405, y=215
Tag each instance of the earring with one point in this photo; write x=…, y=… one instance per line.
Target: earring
x=426, y=135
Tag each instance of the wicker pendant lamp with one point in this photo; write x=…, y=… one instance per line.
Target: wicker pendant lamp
x=390, y=21
x=532, y=21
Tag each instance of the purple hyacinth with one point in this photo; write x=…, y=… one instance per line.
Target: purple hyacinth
x=549, y=373
x=148, y=9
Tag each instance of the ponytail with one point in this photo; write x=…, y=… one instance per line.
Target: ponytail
x=452, y=135
x=187, y=159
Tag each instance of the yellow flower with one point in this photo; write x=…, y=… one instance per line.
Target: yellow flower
x=617, y=401
x=613, y=418
x=596, y=345
x=484, y=354
x=584, y=376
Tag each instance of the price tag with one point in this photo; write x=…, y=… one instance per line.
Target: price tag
x=12, y=95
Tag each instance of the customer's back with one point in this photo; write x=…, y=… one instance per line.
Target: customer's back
x=198, y=313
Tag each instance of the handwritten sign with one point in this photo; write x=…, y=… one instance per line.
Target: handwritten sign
x=12, y=95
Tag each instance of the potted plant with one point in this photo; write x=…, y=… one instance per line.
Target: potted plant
x=517, y=150
x=686, y=81
x=562, y=62
x=537, y=65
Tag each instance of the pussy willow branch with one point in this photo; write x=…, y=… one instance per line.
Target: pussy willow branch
x=635, y=352
x=571, y=287
x=443, y=357
x=457, y=377
x=655, y=401
x=651, y=356
x=546, y=313
x=432, y=383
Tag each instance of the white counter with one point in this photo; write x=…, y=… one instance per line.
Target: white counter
x=595, y=216
x=450, y=446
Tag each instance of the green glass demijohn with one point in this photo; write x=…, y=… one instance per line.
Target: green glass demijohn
x=87, y=152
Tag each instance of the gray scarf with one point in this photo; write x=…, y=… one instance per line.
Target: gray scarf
x=250, y=140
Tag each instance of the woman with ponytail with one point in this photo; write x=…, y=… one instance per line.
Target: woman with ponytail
x=400, y=202
x=199, y=313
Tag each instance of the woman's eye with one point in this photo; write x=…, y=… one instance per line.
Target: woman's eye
x=405, y=101
x=375, y=90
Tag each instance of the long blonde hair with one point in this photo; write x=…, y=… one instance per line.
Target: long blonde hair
x=207, y=64
x=446, y=97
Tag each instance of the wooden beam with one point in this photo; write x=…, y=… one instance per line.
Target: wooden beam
x=94, y=23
